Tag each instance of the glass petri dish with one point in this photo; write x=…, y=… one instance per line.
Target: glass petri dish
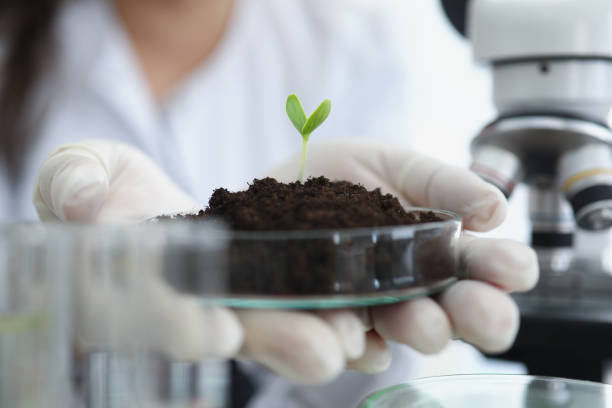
x=339, y=268
x=500, y=391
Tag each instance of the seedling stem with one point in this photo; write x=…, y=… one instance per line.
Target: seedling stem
x=304, y=125
x=303, y=160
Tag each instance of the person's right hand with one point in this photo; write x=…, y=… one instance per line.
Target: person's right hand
x=107, y=182
x=477, y=308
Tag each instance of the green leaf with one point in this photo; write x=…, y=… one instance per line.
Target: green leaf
x=317, y=117
x=295, y=111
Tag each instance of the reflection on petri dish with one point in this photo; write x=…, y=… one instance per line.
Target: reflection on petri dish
x=336, y=268
x=499, y=391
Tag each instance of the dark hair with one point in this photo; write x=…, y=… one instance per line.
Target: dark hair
x=26, y=29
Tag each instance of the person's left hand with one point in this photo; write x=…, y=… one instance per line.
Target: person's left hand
x=476, y=309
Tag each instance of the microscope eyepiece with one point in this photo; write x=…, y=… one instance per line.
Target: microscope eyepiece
x=586, y=181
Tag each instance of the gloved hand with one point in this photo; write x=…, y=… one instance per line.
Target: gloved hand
x=477, y=309
x=103, y=181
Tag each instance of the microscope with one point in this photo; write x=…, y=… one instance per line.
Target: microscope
x=551, y=65
x=552, y=87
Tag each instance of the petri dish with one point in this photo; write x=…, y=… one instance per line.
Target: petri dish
x=319, y=269
x=500, y=391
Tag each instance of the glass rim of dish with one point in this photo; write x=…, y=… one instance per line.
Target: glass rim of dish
x=452, y=218
x=507, y=378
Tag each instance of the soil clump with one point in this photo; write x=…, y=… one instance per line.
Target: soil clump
x=318, y=203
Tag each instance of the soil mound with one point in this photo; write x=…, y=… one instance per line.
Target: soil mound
x=316, y=204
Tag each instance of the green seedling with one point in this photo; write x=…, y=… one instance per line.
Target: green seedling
x=306, y=125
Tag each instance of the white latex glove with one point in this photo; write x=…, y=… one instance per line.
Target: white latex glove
x=101, y=181
x=478, y=309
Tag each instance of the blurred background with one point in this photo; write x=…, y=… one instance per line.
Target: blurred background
x=397, y=71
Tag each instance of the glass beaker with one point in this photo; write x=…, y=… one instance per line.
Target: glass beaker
x=122, y=276
x=34, y=317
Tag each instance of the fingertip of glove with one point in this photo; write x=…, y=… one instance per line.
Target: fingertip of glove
x=323, y=357
x=308, y=351
x=482, y=315
x=377, y=357
x=200, y=332
x=350, y=330
x=507, y=264
x=503, y=331
x=521, y=264
x=224, y=333
x=74, y=189
x=487, y=211
x=435, y=331
x=532, y=269
x=85, y=202
x=377, y=366
x=420, y=323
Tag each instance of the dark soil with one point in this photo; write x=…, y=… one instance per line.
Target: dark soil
x=316, y=204
x=348, y=262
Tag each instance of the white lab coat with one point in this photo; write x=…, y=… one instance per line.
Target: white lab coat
x=226, y=122
x=376, y=60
